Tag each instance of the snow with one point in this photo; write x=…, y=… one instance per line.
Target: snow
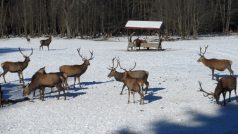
x=173, y=103
x=152, y=25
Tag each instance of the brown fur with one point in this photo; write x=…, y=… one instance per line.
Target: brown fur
x=134, y=85
x=225, y=84
x=137, y=42
x=40, y=81
x=16, y=67
x=215, y=64
x=76, y=70
x=45, y=42
x=136, y=74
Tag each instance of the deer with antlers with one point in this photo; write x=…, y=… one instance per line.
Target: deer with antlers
x=16, y=67
x=215, y=64
x=46, y=42
x=76, y=70
x=225, y=84
x=137, y=74
x=133, y=85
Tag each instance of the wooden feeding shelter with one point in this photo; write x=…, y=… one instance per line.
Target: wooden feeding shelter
x=143, y=25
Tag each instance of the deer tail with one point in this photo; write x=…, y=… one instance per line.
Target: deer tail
x=230, y=62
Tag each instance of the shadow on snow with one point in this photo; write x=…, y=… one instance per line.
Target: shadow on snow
x=222, y=121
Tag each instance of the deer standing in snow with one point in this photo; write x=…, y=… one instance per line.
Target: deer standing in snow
x=133, y=85
x=215, y=64
x=16, y=67
x=225, y=84
x=45, y=42
x=137, y=74
x=76, y=70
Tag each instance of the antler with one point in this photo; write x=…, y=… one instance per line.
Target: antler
x=24, y=54
x=133, y=67
x=110, y=68
x=124, y=68
x=202, y=53
x=21, y=52
x=206, y=94
x=91, y=52
x=80, y=54
x=118, y=63
x=31, y=52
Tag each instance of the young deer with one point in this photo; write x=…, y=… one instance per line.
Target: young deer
x=225, y=84
x=41, y=80
x=137, y=74
x=133, y=85
x=16, y=67
x=215, y=64
x=76, y=70
x=45, y=42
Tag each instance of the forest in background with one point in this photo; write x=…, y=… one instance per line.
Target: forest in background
x=73, y=18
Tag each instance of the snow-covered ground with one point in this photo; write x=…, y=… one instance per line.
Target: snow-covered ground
x=172, y=105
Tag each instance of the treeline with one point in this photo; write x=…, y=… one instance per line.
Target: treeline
x=73, y=18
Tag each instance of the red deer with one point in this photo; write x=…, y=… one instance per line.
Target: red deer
x=41, y=80
x=16, y=67
x=225, y=84
x=130, y=43
x=137, y=42
x=133, y=85
x=76, y=70
x=137, y=74
x=28, y=39
x=215, y=64
x=45, y=43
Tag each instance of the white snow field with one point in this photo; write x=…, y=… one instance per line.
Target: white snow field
x=173, y=104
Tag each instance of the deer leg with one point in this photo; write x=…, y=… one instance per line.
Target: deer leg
x=124, y=85
x=134, y=101
x=212, y=74
x=34, y=93
x=230, y=70
x=74, y=81
x=58, y=94
x=3, y=75
x=229, y=96
x=22, y=78
x=66, y=85
x=40, y=94
x=224, y=98
x=141, y=97
x=129, y=96
x=48, y=48
x=19, y=76
x=79, y=81
x=236, y=96
x=64, y=94
x=43, y=93
x=147, y=86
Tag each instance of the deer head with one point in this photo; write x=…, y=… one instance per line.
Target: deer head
x=84, y=59
x=201, y=54
x=26, y=90
x=27, y=58
x=205, y=93
x=113, y=69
